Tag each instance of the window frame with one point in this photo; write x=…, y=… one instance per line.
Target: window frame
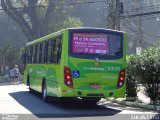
x=39, y=52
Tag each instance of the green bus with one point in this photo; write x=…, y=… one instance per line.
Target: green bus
x=85, y=63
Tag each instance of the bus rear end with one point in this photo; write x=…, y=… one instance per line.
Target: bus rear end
x=95, y=64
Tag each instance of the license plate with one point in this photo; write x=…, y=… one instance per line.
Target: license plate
x=95, y=86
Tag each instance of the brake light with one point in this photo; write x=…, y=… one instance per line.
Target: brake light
x=121, y=79
x=68, y=77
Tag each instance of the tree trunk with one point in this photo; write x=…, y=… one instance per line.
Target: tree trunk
x=31, y=30
x=27, y=18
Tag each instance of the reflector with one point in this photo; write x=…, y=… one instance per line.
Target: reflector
x=121, y=78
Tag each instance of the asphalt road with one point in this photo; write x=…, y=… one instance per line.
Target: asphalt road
x=16, y=102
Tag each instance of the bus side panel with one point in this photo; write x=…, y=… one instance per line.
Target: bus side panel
x=64, y=91
x=30, y=70
x=25, y=76
x=56, y=83
x=51, y=73
x=53, y=80
x=40, y=71
x=121, y=92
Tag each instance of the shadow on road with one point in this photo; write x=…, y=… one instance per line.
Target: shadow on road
x=35, y=105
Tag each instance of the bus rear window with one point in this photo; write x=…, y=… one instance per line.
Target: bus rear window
x=96, y=43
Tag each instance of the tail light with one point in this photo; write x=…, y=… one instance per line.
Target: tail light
x=121, y=79
x=68, y=77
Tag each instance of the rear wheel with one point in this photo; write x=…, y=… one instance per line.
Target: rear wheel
x=28, y=81
x=28, y=84
x=44, y=92
x=157, y=104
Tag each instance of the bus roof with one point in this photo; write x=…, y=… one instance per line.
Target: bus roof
x=45, y=37
x=61, y=31
x=94, y=28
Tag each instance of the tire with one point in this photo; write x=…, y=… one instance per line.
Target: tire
x=44, y=92
x=157, y=104
x=28, y=81
x=28, y=84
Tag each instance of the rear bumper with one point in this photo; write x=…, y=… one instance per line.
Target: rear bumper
x=93, y=93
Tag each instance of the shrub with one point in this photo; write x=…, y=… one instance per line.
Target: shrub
x=145, y=68
x=131, y=76
x=150, y=70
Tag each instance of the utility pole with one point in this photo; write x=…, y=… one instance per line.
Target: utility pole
x=115, y=9
x=111, y=14
x=139, y=24
x=118, y=11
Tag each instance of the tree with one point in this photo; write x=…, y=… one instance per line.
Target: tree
x=145, y=69
x=150, y=70
x=91, y=13
x=111, y=20
x=10, y=55
x=35, y=17
x=11, y=33
x=131, y=75
x=70, y=22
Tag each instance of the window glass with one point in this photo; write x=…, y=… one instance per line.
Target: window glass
x=37, y=59
x=101, y=44
x=52, y=49
x=30, y=54
x=43, y=52
x=35, y=54
x=40, y=53
x=46, y=52
x=49, y=51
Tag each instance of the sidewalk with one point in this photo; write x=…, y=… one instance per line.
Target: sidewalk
x=142, y=101
x=1, y=79
x=9, y=82
x=123, y=101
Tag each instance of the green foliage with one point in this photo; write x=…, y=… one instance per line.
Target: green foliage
x=150, y=64
x=70, y=22
x=36, y=18
x=10, y=33
x=131, y=76
x=150, y=70
x=10, y=55
x=145, y=68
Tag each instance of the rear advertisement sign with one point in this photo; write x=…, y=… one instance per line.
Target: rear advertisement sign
x=93, y=43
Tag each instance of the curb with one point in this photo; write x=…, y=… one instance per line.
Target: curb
x=132, y=104
x=8, y=83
